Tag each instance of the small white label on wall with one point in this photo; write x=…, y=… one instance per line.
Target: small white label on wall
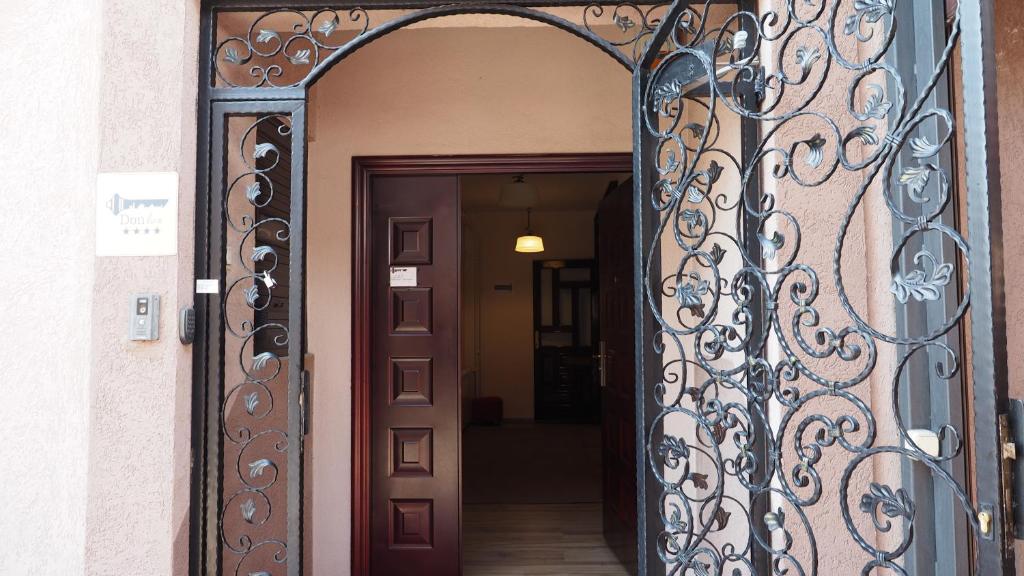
x=207, y=286
x=403, y=276
x=137, y=214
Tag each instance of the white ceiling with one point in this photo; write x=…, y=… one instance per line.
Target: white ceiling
x=554, y=191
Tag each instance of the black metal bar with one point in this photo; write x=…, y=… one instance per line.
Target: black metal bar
x=297, y=340
x=750, y=137
x=648, y=364
x=1017, y=427
x=199, y=472
x=988, y=320
x=214, y=327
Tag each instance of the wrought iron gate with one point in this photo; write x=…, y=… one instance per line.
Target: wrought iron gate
x=802, y=409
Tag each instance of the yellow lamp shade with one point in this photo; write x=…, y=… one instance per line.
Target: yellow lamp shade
x=529, y=244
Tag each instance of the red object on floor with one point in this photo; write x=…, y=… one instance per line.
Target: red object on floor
x=488, y=410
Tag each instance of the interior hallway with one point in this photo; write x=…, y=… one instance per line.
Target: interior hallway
x=532, y=501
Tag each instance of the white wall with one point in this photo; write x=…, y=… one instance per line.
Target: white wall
x=95, y=429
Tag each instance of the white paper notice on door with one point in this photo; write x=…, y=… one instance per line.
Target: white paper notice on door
x=403, y=276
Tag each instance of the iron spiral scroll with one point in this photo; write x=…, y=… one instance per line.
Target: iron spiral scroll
x=768, y=411
x=254, y=426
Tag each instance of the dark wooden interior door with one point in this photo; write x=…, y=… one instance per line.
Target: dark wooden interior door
x=616, y=352
x=415, y=376
x=565, y=373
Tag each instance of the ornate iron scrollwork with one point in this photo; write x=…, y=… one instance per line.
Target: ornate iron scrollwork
x=764, y=388
x=254, y=428
x=282, y=48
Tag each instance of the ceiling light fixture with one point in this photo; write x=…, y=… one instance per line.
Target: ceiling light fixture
x=529, y=243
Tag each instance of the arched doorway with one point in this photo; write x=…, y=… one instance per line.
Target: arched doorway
x=717, y=361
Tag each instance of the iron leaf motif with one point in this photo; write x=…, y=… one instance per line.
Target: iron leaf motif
x=694, y=219
x=329, y=26
x=259, y=253
x=805, y=58
x=722, y=518
x=300, y=57
x=714, y=172
x=262, y=149
x=866, y=134
x=694, y=194
x=815, y=150
x=881, y=497
x=770, y=246
x=870, y=11
x=266, y=36
x=916, y=179
x=922, y=147
x=231, y=55
x=717, y=253
x=623, y=22
x=252, y=192
x=252, y=294
x=699, y=480
x=248, y=510
x=673, y=450
x=919, y=284
x=876, y=106
x=691, y=294
x=260, y=361
x=257, y=467
x=667, y=92
x=775, y=520
x=252, y=400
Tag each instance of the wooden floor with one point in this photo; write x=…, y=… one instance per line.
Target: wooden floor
x=535, y=540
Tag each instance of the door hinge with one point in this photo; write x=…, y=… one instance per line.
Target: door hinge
x=1011, y=439
x=305, y=400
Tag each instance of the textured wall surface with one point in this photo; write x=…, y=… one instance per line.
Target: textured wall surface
x=49, y=166
x=96, y=432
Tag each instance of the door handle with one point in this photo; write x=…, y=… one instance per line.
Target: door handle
x=602, y=367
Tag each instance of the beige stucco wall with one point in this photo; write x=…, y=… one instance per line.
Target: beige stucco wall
x=458, y=91
x=96, y=429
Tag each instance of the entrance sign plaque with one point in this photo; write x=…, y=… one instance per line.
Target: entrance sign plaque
x=137, y=214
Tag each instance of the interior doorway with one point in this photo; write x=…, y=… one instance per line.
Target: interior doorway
x=533, y=494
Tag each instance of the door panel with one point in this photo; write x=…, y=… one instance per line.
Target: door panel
x=415, y=382
x=616, y=360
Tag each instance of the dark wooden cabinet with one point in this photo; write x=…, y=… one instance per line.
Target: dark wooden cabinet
x=565, y=328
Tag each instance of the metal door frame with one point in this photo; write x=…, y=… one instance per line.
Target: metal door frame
x=216, y=104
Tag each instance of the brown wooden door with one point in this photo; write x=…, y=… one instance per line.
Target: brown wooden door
x=615, y=281
x=415, y=376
